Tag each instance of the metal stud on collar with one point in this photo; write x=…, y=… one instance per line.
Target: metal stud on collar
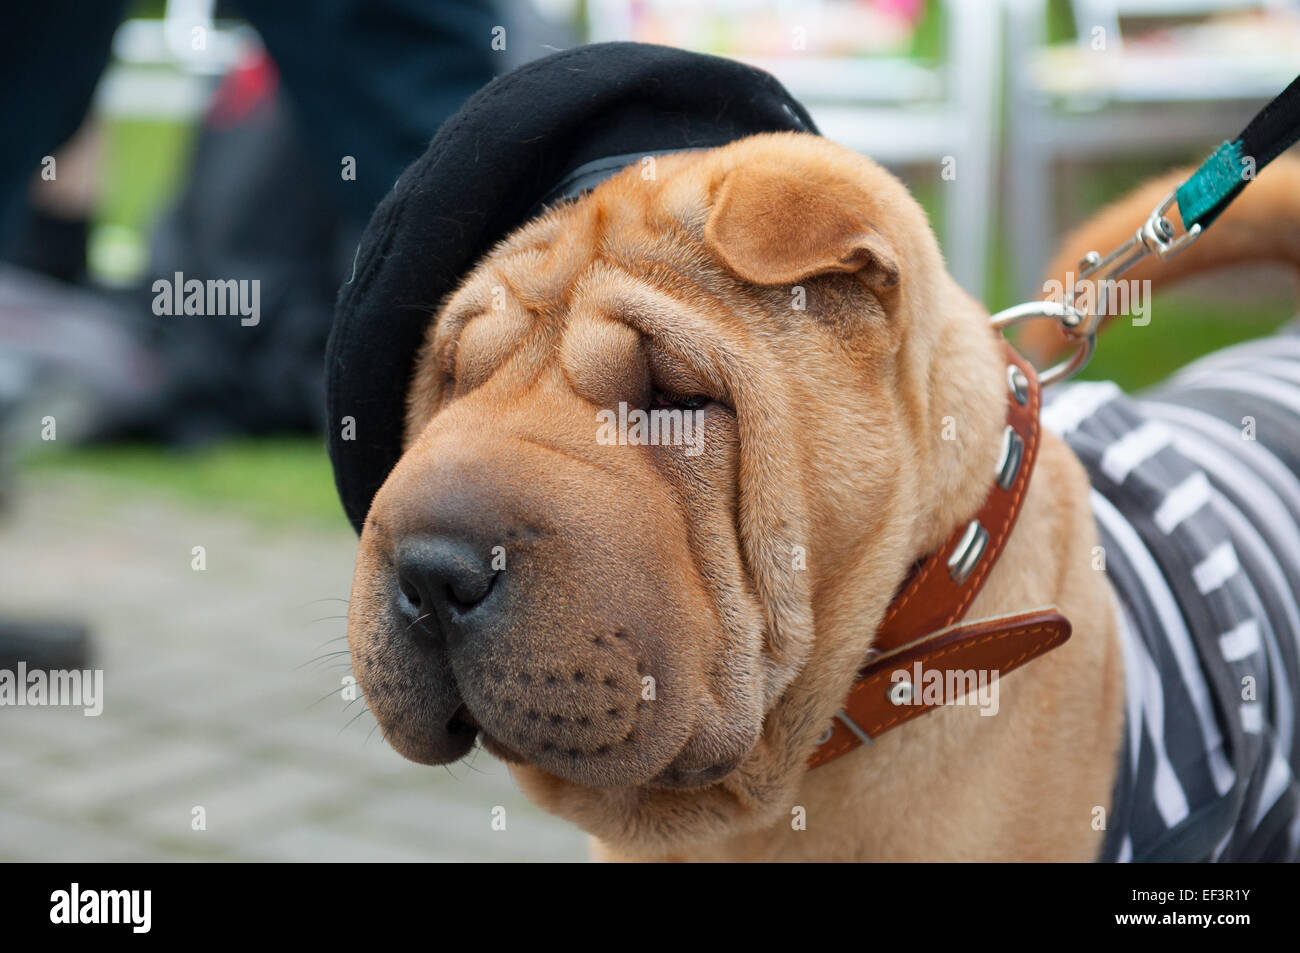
x=901, y=693
x=1013, y=451
x=968, y=551
x=850, y=724
x=1018, y=383
x=843, y=718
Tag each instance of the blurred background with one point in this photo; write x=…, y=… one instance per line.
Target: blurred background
x=167, y=512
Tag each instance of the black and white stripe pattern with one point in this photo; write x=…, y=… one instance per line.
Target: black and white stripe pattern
x=1196, y=492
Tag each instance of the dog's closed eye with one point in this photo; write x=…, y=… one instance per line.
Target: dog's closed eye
x=676, y=385
x=668, y=399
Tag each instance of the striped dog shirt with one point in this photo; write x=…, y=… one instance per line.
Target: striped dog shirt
x=1197, y=502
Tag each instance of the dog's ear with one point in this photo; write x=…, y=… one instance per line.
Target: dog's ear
x=772, y=227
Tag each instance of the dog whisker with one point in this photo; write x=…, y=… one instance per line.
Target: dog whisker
x=418, y=621
x=354, y=718
x=325, y=696
x=321, y=657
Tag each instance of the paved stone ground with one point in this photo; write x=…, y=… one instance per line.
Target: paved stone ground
x=212, y=701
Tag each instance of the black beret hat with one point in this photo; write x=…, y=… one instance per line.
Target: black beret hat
x=550, y=129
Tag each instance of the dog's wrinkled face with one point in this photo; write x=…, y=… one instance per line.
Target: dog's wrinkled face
x=643, y=438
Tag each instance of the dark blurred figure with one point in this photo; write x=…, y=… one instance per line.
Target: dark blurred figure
x=247, y=211
x=368, y=78
x=266, y=200
x=366, y=83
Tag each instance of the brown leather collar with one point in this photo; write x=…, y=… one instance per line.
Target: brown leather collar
x=921, y=623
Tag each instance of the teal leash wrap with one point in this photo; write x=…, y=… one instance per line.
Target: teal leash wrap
x=1213, y=185
x=1234, y=165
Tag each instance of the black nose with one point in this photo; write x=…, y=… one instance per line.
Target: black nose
x=443, y=579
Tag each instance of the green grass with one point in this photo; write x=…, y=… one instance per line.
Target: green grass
x=277, y=480
x=1181, y=330
x=144, y=161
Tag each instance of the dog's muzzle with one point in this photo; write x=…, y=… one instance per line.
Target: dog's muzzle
x=568, y=638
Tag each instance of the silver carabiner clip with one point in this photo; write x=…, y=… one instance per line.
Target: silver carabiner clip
x=1155, y=237
x=1070, y=321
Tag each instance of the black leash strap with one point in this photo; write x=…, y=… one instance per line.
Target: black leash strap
x=1220, y=179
